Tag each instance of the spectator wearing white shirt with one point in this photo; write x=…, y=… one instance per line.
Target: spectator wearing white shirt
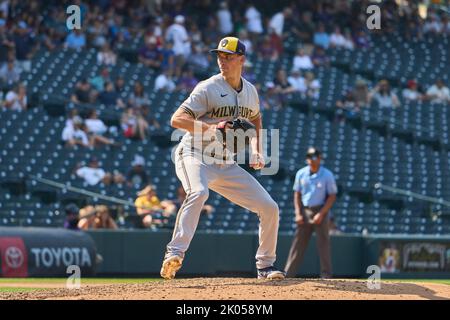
x=302, y=61
x=297, y=81
x=10, y=73
x=439, y=93
x=337, y=39
x=16, y=99
x=106, y=56
x=164, y=82
x=178, y=35
x=384, y=96
x=73, y=134
x=254, y=24
x=92, y=174
x=411, y=92
x=94, y=124
x=278, y=19
x=225, y=19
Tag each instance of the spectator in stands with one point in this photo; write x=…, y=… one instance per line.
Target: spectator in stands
x=10, y=73
x=6, y=42
x=119, y=85
x=103, y=219
x=198, y=59
x=277, y=22
x=137, y=176
x=93, y=174
x=347, y=107
x=72, y=117
x=148, y=206
x=282, y=85
x=297, y=81
x=24, y=46
x=439, y=92
x=337, y=39
x=87, y=218
x=72, y=217
x=138, y=97
x=150, y=55
x=321, y=37
x=49, y=38
x=304, y=28
x=313, y=85
x=75, y=40
x=168, y=58
x=83, y=93
x=178, y=36
x=97, y=32
x=110, y=97
x=164, y=82
x=225, y=19
x=271, y=99
x=432, y=25
x=266, y=50
x=148, y=116
x=96, y=129
x=98, y=82
x=320, y=58
x=411, y=92
x=383, y=95
x=73, y=133
x=361, y=40
x=361, y=94
x=348, y=44
x=94, y=124
x=302, y=61
x=106, y=56
x=16, y=99
x=248, y=73
x=187, y=81
x=254, y=23
x=134, y=126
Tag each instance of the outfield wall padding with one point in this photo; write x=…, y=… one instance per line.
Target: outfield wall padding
x=45, y=252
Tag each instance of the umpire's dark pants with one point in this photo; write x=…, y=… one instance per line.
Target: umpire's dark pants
x=300, y=243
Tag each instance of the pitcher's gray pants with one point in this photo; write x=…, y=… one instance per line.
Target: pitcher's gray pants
x=233, y=183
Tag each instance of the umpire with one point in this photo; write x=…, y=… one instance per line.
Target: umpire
x=314, y=193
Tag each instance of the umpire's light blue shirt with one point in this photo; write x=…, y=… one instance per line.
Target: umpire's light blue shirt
x=315, y=188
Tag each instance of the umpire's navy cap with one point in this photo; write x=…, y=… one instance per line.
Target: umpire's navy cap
x=312, y=152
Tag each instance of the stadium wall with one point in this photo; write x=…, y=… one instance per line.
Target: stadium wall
x=135, y=253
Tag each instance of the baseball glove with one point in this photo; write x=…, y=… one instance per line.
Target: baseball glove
x=225, y=128
x=236, y=124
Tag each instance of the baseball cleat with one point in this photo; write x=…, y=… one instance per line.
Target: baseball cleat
x=271, y=273
x=170, y=267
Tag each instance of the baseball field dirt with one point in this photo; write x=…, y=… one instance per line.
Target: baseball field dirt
x=228, y=289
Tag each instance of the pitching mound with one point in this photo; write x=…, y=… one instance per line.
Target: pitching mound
x=243, y=289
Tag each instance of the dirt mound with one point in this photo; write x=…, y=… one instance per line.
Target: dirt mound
x=243, y=289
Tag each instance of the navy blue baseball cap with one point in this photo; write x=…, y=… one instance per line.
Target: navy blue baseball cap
x=230, y=45
x=312, y=152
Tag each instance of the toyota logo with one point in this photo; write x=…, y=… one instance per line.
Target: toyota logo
x=14, y=257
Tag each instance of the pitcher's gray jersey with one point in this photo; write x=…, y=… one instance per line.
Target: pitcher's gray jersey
x=214, y=100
